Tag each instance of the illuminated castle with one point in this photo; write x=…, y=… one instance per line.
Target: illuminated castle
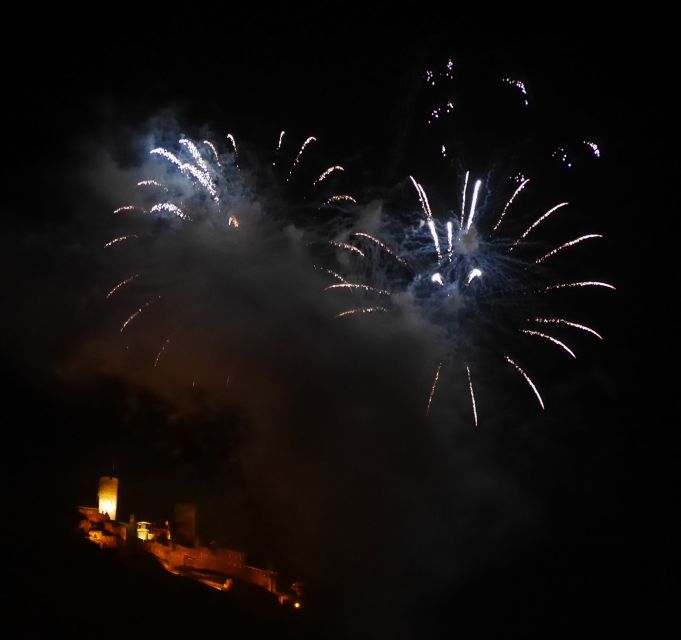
x=176, y=546
x=108, y=496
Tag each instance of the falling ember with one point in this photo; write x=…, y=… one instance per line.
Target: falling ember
x=510, y=201
x=566, y=245
x=381, y=244
x=552, y=339
x=300, y=153
x=121, y=284
x=327, y=173
x=233, y=222
x=365, y=287
x=352, y=312
x=170, y=208
x=470, y=388
x=347, y=247
x=432, y=389
x=587, y=283
x=527, y=379
x=120, y=239
x=340, y=198
x=537, y=222
x=582, y=327
x=142, y=308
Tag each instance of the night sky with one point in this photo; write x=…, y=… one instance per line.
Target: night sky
x=317, y=458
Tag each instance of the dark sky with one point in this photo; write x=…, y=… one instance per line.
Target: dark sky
x=318, y=457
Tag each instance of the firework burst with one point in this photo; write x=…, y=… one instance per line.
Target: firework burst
x=195, y=212
x=476, y=274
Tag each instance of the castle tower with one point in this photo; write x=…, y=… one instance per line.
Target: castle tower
x=108, y=495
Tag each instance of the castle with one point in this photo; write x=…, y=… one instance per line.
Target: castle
x=175, y=545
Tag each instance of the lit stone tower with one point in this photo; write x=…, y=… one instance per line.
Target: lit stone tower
x=108, y=495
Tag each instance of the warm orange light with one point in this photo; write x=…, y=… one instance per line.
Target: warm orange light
x=108, y=495
x=296, y=605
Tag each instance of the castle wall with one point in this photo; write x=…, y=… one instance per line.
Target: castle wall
x=226, y=561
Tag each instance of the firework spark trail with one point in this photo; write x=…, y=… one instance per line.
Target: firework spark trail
x=474, y=273
x=437, y=278
x=300, y=153
x=537, y=222
x=432, y=389
x=165, y=344
x=230, y=137
x=127, y=207
x=327, y=173
x=463, y=198
x=582, y=327
x=121, y=284
x=538, y=334
x=566, y=245
x=195, y=153
x=423, y=199
x=340, y=198
x=148, y=303
x=520, y=85
x=449, y=238
x=474, y=201
x=281, y=137
x=170, y=208
x=510, y=201
x=425, y=206
x=587, y=283
x=352, y=312
x=152, y=183
x=211, y=146
x=333, y=274
x=527, y=379
x=470, y=387
x=346, y=246
x=382, y=245
x=202, y=177
x=121, y=239
x=436, y=240
x=365, y=287
x=594, y=148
